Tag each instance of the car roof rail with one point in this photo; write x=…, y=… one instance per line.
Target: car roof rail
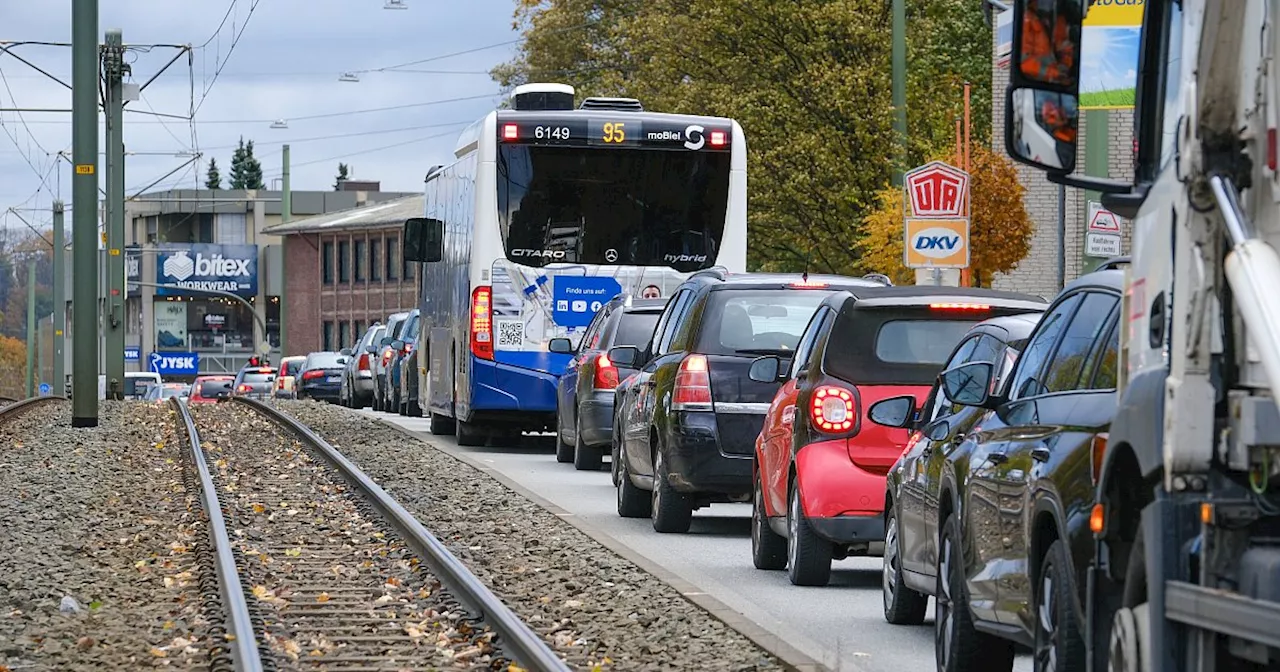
x=1114, y=263
x=717, y=272
x=880, y=278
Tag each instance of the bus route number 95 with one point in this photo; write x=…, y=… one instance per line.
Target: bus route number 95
x=614, y=132
x=551, y=132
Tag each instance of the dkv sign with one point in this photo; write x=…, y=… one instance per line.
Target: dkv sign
x=936, y=229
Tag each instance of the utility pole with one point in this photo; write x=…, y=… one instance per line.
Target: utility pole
x=32, y=344
x=286, y=215
x=900, y=87
x=59, y=302
x=84, y=190
x=115, y=69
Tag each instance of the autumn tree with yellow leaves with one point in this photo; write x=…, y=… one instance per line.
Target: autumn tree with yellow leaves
x=999, y=227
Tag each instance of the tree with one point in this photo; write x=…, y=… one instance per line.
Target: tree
x=999, y=227
x=213, y=180
x=246, y=172
x=13, y=367
x=343, y=175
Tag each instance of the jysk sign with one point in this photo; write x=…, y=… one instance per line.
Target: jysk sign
x=132, y=353
x=175, y=363
x=200, y=266
x=578, y=299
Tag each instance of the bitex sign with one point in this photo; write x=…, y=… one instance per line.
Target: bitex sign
x=936, y=230
x=224, y=268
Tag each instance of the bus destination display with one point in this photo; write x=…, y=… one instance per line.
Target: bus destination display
x=621, y=131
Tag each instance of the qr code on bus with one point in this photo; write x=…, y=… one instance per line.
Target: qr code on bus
x=510, y=333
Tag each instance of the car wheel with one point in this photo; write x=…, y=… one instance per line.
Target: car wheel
x=614, y=455
x=632, y=501
x=564, y=449
x=672, y=510
x=957, y=645
x=902, y=605
x=585, y=458
x=412, y=409
x=1059, y=645
x=768, y=548
x=808, y=555
x=470, y=435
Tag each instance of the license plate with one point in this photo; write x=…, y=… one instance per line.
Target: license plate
x=335, y=379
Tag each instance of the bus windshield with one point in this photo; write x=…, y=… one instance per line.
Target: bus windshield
x=640, y=207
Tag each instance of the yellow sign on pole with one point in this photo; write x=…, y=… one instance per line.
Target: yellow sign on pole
x=937, y=243
x=84, y=169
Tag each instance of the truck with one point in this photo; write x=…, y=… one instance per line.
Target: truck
x=1186, y=516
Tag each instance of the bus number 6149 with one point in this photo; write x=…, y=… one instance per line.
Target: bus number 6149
x=551, y=132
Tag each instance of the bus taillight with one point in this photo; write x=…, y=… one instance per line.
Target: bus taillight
x=719, y=138
x=482, y=323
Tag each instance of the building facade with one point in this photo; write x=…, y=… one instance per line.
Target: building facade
x=345, y=271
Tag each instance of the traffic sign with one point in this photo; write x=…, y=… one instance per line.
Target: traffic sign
x=936, y=243
x=45, y=389
x=937, y=190
x=1104, y=221
x=1105, y=245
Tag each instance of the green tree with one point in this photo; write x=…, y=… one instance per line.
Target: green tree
x=246, y=172
x=213, y=179
x=343, y=175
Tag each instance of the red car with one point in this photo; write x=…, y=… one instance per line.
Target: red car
x=820, y=465
x=208, y=389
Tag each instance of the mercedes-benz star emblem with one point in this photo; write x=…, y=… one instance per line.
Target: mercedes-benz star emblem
x=611, y=255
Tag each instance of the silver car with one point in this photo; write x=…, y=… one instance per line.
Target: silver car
x=382, y=358
x=357, y=377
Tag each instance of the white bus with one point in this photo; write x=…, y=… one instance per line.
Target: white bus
x=546, y=213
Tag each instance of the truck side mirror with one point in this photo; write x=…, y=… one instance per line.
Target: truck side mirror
x=1043, y=98
x=423, y=239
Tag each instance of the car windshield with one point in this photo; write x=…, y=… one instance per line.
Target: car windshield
x=635, y=329
x=324, y=360
x=755, y=322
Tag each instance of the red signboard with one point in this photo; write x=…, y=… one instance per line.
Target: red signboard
x=938, y=190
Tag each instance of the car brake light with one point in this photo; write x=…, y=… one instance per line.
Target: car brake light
x=809, y=284
x=243, y=388
x=481, y=323
x=314, y=373
x=959, y=306
x=693, y=385
x=832, y=409
x=1098, y=451
x=386, y=356
x=606, y=376
x=364, y=362
x=510, y=132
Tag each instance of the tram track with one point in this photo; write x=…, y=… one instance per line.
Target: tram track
x=313, y=566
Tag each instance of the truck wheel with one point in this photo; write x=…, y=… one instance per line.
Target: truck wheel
x=768, y=548
x=632, y=501
x=957, y=645
x=672, y=510
x=808, y=555
x=902, y=606
x=1058, y=644
x=585, y=458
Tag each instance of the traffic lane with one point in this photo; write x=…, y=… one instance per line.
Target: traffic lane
x=841, y=625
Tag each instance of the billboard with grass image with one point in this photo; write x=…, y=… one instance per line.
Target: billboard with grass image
x=1109, y=66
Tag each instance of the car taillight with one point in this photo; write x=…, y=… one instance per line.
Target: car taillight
x=606, y=376
x=693, y=385
x=363, y=364
x=482, y=323
x=386, y=356
x=832, y=409
x=1098, y=451
x=243, y=388
x=315, y=373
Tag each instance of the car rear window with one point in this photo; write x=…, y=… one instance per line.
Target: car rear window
x=325, y=360
x=258, y=377
x=899, y=345
x=211, y=388
x=290, y=368
x=752, y=321
x=635, y=329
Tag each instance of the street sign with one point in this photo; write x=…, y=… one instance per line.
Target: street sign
x=45, y=389
x=937, y=190
x=936, y=243
x=132, y=353
x=1104, y=221
x=1103, y=245
x=1102, y=237
x=175, y=363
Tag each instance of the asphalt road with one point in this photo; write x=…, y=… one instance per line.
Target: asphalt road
x=840, y=625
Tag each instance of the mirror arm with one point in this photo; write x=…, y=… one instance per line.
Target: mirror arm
x=1092, y=183
x=1126, y=204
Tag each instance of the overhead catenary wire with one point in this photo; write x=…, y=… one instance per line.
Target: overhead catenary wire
x=218, y=69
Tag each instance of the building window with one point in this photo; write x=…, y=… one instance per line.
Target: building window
x=357, y=334
x=375, y=256
x=344, y=338
x=392, y=254
x=344, y=261
x=326, y=263
x=359, y=261
x=327, y=336
x=406, y=270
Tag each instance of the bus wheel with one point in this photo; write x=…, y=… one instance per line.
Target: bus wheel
x=470, y=435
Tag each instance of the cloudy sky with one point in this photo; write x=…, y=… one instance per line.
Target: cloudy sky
x=273, y=59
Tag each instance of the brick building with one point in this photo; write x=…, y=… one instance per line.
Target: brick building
x=1038, y=272
x=343, y=271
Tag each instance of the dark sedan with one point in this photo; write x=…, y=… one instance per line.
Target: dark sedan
x=584, y=395
x=322, y=376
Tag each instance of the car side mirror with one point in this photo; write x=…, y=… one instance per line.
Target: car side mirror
x=386, y=340
x=397, y=344
x=625, y=355
x=938, y=431
x=765, y=369
x=560, y=346
x=423, y=239
x=969, y=384
x=345, y=352
x=893, y=412
x=371, y=349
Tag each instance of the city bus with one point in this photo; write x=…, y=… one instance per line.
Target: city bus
x=546, y=213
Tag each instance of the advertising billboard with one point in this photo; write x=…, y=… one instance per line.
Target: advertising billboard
x=1109, y=62
x=205, y=266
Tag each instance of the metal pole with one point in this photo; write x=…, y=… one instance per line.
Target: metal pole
x=966, y=275
x=114, y=321
x=84, y=232
x=900, y=87
x=40, y=352
x=1062, y=236
x=286, y=215
x=32, y=343
x=59, y=301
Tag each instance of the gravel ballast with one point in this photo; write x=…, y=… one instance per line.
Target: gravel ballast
x=96, y=529
x=589, y=603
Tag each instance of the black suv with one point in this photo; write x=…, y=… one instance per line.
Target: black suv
x=687, y=423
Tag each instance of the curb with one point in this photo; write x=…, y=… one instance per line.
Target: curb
x=791, y=658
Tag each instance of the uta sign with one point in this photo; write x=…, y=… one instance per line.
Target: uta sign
x=937, y=190
x=936, y=230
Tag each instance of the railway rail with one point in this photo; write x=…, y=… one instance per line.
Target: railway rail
x=12, y=408
x=317, y=566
